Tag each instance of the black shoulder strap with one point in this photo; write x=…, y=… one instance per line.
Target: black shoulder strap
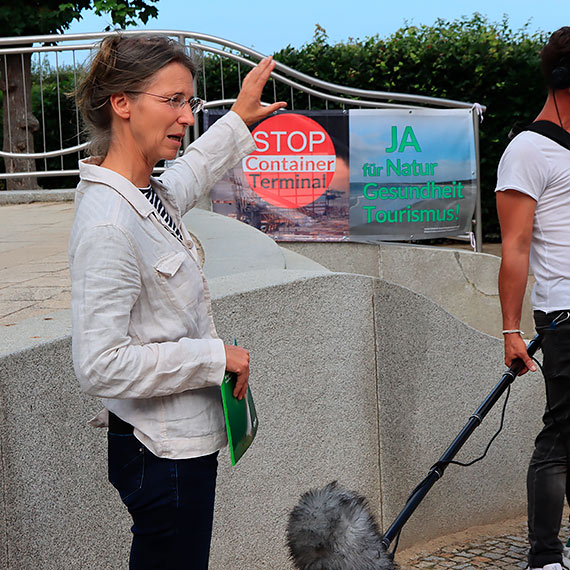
x=549, y=130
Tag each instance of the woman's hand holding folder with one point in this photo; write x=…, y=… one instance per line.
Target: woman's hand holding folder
x=237, y=360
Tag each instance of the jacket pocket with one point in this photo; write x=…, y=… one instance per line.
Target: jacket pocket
x=180, y=279
x=169, y=265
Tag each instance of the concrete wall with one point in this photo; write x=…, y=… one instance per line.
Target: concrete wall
x=434, y=372
x=462, y=282
x=355, y=379
x=59, y=511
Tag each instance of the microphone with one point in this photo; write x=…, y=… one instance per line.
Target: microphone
x=333, y=529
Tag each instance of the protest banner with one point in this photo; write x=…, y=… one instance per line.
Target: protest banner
x=413, y=173
x=359, y=175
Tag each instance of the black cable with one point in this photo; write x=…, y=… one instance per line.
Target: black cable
x=557, y=111
x=451, y=462
x=428, y=476
x=395, y=543
x=545, y=386
x=492, y=439
x=503, y=420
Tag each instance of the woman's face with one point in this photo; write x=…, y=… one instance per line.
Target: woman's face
x=156, y=128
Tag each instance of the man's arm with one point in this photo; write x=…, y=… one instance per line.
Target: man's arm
x=516, y=213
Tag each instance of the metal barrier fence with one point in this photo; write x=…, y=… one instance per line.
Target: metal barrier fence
x=32, y=104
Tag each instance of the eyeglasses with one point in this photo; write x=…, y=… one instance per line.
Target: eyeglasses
x=177, y=102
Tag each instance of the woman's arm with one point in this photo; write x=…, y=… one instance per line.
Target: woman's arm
x=224, y=144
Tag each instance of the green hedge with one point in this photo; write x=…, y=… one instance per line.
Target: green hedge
x=53, y=109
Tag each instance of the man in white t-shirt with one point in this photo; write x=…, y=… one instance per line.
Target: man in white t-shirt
x=533, y=203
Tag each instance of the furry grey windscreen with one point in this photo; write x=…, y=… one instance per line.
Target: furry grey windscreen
x=332, y=529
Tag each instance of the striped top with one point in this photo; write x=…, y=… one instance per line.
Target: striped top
x=155, y=200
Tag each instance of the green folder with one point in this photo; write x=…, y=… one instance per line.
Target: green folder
x=241, y=418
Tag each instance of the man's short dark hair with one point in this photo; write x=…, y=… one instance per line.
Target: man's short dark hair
x=556, y=54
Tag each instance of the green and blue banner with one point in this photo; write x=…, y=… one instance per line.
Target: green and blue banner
x=413, y=173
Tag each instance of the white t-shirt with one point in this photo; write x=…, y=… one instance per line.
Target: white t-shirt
x=539, y=167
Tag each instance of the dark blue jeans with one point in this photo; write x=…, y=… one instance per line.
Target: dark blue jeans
x=547, y=480
x=171, y=503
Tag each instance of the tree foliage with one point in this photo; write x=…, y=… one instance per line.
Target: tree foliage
x=53, y=16
x=31, y=18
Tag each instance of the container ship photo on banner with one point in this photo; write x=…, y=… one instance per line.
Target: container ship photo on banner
x=295, y=185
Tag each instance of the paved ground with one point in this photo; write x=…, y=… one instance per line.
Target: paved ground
x=34, y=281
x=34, y=276
x=500, y=547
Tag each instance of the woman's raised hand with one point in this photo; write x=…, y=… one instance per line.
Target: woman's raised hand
x=248, y=104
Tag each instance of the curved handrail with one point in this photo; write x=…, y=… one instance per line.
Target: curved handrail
x=50, y=154
x=235, y=46
x=304, y=88
x=345, y=96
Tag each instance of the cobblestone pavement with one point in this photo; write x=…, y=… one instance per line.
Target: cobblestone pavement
x=507, y=551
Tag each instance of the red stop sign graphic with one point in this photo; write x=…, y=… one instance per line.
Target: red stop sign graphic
x=294, y=162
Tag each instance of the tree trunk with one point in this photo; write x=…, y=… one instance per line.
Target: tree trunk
x=19, y=122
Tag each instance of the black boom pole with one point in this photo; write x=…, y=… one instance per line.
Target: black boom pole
x=436, y=472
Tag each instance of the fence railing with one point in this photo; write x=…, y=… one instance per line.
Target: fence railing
x=50, y=138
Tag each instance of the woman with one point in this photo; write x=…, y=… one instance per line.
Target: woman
x=143, y=336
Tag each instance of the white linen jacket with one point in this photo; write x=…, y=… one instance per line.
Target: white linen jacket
x=143, y=335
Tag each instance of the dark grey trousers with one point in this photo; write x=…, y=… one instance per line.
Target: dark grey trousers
x=547, y=479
